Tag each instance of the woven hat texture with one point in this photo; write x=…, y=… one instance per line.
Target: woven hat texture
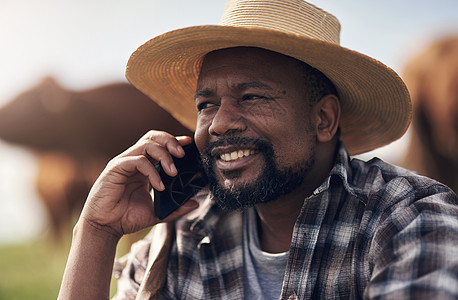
x=375, y=103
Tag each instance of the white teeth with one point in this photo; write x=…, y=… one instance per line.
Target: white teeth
x=236, y=154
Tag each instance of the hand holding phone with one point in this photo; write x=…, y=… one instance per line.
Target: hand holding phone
x=178, y=189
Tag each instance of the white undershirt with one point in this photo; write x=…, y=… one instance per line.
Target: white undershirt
x=264, y=272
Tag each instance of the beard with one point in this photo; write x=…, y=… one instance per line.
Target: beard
x=272, y=183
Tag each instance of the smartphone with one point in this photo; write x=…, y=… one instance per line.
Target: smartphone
x=188, y=182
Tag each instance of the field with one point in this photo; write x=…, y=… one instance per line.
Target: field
x=33, y=270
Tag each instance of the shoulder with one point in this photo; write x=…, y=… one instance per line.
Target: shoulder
x=414, y=225
x=404, y=206
x=388, y=184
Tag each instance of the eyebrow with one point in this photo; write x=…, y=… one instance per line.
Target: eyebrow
x=252, y=84
x=241, y=87
x=203, y=93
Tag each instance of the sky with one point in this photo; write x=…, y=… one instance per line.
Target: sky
x=86, y=43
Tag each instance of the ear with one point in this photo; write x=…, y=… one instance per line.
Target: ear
x=328, y=116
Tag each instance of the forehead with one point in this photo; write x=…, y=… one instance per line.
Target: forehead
x=251, y=64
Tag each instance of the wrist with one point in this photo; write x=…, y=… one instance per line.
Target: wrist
x=90, y=263
x=88, y=230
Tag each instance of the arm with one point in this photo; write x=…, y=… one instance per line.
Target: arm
x=119, y=203
x=89, y=266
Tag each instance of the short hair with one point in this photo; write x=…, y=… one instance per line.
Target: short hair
x=316, y=83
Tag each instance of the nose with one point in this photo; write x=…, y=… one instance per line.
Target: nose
x=228, y=119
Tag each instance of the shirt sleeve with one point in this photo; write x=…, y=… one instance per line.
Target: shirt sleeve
x=415, y=249
x=129, y=270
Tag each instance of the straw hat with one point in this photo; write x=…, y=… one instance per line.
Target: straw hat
x=375, y=103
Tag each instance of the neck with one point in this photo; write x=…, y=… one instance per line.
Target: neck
x=277, y=218
x=276, y=223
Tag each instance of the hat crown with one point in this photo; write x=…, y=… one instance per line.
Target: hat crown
x=289, y=16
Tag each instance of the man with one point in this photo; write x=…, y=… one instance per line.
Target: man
x=287, y=214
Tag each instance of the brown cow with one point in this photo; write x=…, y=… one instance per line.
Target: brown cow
x=432, y=79
x=74, y=134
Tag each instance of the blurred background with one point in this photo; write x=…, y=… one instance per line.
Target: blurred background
x=63, y=94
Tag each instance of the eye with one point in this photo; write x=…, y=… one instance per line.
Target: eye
x=205, y=105
x=248, y=97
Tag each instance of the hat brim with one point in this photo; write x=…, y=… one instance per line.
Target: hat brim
x=375, y=102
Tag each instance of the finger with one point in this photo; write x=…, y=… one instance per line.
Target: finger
x=168, y=141
x=158, y=146
x=157, y=135
x=160, y=138
x=184, y=140
x=130, y=165
x=155, y=154
x=161, y=154
x=186, y=208
x=158, y=154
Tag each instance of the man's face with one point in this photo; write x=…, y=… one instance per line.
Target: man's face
x=254, y=126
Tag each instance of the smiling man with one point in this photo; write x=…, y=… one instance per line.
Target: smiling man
x=250, y=103
x=275, y=103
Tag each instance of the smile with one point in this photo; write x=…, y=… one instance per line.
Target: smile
x=234, y=155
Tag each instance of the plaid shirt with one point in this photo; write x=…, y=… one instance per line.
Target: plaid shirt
x=370, y=230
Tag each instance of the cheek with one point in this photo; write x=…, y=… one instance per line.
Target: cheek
x=294, y=156
x=267, y=110
x=201, y=136
x=285, y=129
x=294, y=144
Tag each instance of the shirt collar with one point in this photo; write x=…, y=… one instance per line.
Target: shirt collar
x=342, y=170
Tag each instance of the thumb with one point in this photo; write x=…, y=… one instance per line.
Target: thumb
x=186, y=208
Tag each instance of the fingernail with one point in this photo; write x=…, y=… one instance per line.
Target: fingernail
x=161, y=185
x=180, y=150
x=173, y=169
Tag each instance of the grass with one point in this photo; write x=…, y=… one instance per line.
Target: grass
x=33, y=270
